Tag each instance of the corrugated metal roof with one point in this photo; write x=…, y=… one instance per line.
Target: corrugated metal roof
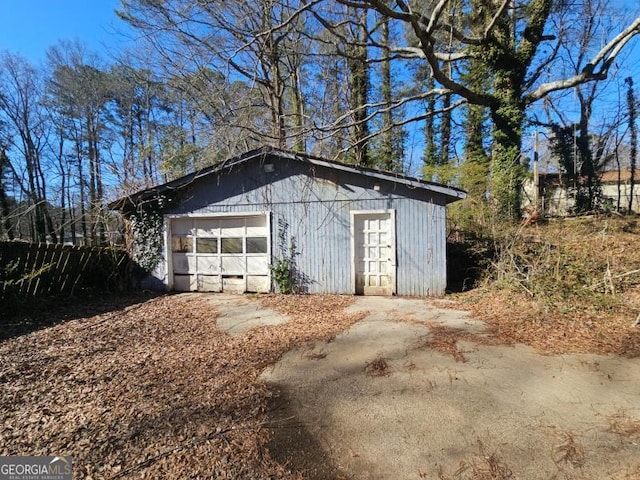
x=451, y=194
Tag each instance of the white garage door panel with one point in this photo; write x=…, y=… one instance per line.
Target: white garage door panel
x=182, y=226
x=208, y=265
x=257, y=226
x=221, y=254
x=233, y=285
x=258, y=283
x=259, y=265
x=183, y=263
x=233, y=265
x=209, y=283
x=232, y=227
x=207, y=228
x=185, y=283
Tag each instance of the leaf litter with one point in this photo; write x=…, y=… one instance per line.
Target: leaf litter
x=155, y=391
x=575, y=288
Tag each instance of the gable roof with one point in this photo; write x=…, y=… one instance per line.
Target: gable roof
x=451, y=194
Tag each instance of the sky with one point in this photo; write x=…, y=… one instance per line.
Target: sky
x=30, y=27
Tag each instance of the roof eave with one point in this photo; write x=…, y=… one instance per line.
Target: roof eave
x=454, y=194
x=451, y=194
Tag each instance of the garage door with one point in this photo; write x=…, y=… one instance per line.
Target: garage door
x=221, y=254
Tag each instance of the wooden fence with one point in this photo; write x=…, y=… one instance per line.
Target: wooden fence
x=32, y=269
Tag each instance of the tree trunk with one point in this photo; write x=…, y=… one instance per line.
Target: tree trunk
x=588, y=192
x=63, y=187
x=359, y=90
x=43, y=201
x=4, y=199
x=445, y=130
x=506, y=170
x=387, y=154
x=334, y=92
x=631, y=101
x=431, y=148
x=72, y=217
x=275, y=85
x=298, y=111
x=476, y=166
x=39, y=224
x=92, y=182
x=83, y=199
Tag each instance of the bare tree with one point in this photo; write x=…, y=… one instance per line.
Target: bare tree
x=252, y=41
x=20, y=104
x=509, y=46
x=80, y=90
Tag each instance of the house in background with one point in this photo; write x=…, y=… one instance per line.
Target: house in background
x=556, y=197
x=346, y=229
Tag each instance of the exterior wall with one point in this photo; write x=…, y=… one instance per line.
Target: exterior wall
x=311, y=205
x=555, y=201
x=610, y=191
x=558, y=202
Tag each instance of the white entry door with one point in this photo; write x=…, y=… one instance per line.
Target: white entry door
x=373, y=235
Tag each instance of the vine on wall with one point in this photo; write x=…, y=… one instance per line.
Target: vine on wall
x=284, y=269
x=146, y=234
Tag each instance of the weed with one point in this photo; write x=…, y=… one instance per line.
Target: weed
x=483, y=465
x=566, y=261
x=623, y=425
x=570, y=450
x=378, y=367
x=445, y=339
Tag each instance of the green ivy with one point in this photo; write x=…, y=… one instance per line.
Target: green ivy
x=147, y=238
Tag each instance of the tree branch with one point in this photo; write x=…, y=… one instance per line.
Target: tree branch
x=604, y=58
x=494, y=20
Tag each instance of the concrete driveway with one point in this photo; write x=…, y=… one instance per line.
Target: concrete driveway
x=378, y=403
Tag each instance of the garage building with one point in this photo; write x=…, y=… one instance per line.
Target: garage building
x=342, y=228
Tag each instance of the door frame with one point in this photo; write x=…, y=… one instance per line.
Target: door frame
x=168, y=234
x=392, y=233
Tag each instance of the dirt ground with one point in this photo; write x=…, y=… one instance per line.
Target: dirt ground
x=208, y=385
x=385, y=400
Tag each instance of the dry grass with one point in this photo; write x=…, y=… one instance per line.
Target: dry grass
x=155, y=391
x=576, y=289
x=569, y=450
x=623, y=425
x=445, y=340
x=514, y=317
x=484, y=464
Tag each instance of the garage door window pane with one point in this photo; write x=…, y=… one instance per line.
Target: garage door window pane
x=256, y=244
x=231, y=245
x=182, y=244
x=207, y=245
